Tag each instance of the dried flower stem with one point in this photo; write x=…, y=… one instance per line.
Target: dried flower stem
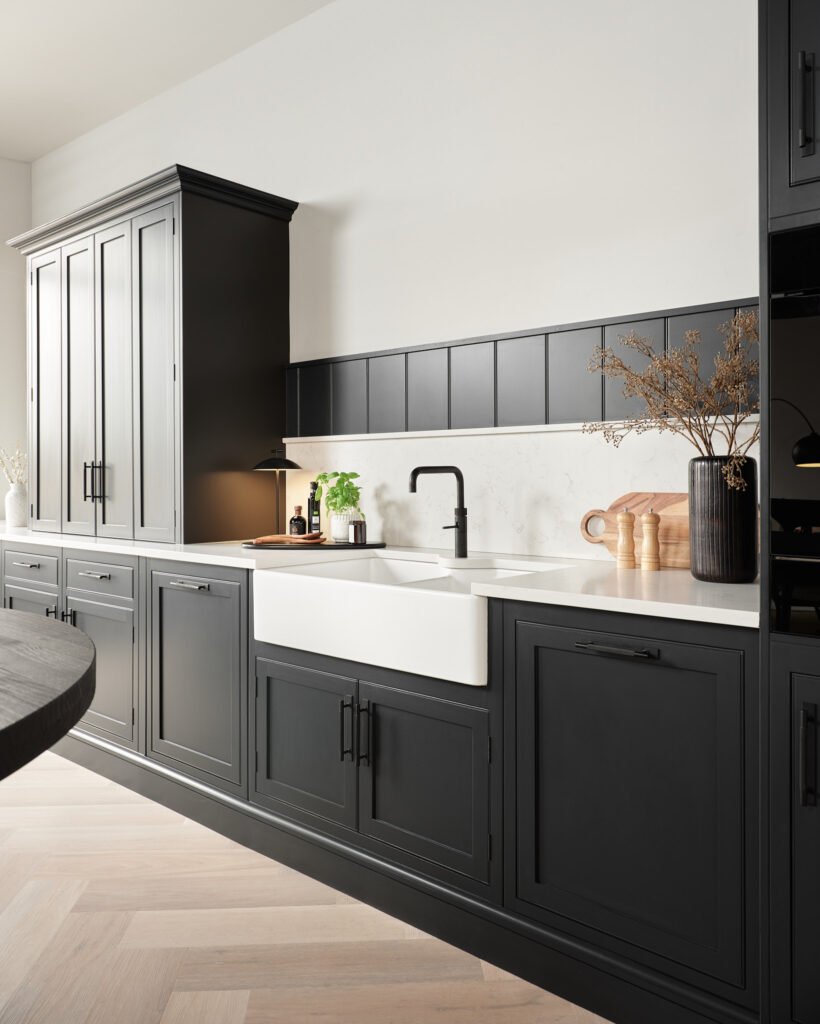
x=679, y=400
x=13, y=466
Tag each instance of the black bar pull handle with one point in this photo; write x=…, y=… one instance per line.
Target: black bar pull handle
x=51, y=611
x=805, y=103
x=86, y=493
x=808, y=755
x=345, y=704
x=616, y=652
x=363, y=709
x=69, y=616
x=98, y=482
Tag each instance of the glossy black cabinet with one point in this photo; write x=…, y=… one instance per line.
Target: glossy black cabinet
x=795, y=802
x=305, y=732
x=139, y=425
x=793, y=97
x=197, y=671
x=409, y=770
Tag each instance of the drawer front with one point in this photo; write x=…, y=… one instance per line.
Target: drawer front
x=25, y=565
x=99, y=578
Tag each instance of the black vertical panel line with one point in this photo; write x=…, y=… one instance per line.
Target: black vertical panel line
x=546, y=378
x=449, y=388
x=406, y=392
x=495, y=383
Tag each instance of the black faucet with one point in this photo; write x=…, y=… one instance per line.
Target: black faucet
x=460, y=525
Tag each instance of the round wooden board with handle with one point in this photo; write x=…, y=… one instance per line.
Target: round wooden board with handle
x=673, y=531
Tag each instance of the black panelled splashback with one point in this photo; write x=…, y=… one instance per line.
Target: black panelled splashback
x=524, y=378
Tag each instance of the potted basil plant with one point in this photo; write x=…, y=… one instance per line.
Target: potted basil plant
x=341, y=500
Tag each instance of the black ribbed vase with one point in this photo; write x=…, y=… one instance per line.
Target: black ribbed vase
x=722, y=522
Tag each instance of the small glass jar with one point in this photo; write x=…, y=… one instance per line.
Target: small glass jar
x=357, y=531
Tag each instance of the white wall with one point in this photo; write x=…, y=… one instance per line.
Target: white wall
x=472, y=166
x=15, y=216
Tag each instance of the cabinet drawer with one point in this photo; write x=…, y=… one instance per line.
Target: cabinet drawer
x=25, y=565
x=100, y=578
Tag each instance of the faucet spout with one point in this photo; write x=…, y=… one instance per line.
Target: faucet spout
x=460, y=524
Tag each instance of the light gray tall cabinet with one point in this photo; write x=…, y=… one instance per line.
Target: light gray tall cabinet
x=158, y=341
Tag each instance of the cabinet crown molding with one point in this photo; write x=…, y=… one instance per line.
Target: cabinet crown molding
x=176, y=178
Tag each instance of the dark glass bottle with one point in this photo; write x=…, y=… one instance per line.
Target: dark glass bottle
x=314, y=517
x=298, y=525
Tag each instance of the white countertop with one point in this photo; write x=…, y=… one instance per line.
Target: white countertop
x=572, y=582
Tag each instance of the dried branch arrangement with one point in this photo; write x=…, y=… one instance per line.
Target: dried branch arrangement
x=708, y=413
x=14, y=465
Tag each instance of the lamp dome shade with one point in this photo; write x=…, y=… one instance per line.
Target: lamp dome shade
x=277, y=461
x=806, y=452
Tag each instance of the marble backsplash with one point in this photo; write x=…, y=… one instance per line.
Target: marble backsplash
x=526, y=489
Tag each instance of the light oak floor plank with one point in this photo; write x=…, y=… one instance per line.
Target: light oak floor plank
x=206, y=1008
x=116, y=911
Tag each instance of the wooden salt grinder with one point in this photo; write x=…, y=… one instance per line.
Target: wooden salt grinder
x=650, y=548
x=626, y=540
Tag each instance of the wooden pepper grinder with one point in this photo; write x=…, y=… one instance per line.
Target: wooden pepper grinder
x=650, y=548
x=626, y=540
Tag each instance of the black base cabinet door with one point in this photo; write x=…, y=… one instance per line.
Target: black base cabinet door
x=112, y=713
x=37, y=602
x=305, y=741
x=630, y=813
x=794, y=106
x=795, y=682
x=424, y=777
x=198, y=672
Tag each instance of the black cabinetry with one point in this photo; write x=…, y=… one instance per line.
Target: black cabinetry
x=793, y=56
x=140, y=426
x=795, y=682
x=410, y=770
x=197, y=671
x=632, y=824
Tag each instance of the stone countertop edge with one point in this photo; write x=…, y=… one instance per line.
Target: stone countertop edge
x=572, y=582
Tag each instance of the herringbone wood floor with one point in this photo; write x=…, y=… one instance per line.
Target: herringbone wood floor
x=115, y=910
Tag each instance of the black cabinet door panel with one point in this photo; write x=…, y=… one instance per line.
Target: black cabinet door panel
x=521, y=381
x=112, y=712
x=616, y=407
x=575, y=395
x=472, y=385
x=796, y=833
x=196, y=674
x=36, y=602
x=631, y=792
x=427, y=390
x=424, y=777
x=387, y=394
x=349, y=402
x=314, y=397
x=305, y=721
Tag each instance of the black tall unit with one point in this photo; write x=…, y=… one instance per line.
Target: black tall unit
x=790, y=499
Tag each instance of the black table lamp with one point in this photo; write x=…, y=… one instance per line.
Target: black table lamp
x=806, y=451
x=277, y=463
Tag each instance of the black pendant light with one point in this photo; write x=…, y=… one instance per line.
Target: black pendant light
x=806, y=451
x=277, y=463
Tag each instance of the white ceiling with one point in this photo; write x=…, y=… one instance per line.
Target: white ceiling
x=67, y=66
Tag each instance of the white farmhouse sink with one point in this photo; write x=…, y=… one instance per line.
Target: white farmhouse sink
x=397, y=613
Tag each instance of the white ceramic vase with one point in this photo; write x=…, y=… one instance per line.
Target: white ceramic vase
x=339, y=522
x=16, y=506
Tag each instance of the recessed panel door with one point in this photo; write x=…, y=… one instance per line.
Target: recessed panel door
x=45, y=373
x=114, y=475
x=111, y=628
x=424, y=777
x=153, y=333
x=79, y=506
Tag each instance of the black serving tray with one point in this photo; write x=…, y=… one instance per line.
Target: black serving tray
x=327, y=546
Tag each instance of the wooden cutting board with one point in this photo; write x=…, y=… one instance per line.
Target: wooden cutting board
x=673, y=531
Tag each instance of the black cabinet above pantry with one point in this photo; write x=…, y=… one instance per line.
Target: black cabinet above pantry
x=517, y=379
